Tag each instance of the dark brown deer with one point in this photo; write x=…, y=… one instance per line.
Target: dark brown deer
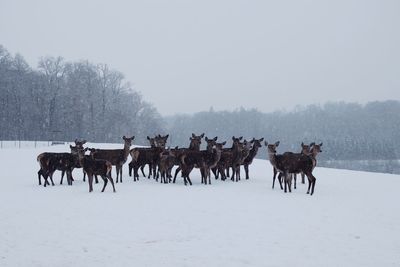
x=292, y=163
x=50, y=162
x=167, y=161
x=93, y=166
x=46, y=158
x=200, y=159
x=257, y=143
x=226, y=160
x=117, y=157
x=240, y=154
x=142, y=156
x=306, y=150
x=195, y=142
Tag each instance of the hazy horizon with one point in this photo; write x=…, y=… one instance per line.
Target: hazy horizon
x=185, y=57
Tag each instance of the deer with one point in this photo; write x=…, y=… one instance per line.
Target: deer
x=240, y=154
x=257, y=143
x=201, y=159
x=142, y=156
x=195, y=142
x=50, y=162
x=226, y=159
x=117, y=157
x=167, y=161
x=289, y=163
x=93, y=166
x=305, y=149
x=46, y=158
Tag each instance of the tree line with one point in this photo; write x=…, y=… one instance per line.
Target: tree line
x=63, y=100
x=348, y=131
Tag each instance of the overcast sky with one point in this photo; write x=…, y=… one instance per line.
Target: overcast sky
x=186, y=56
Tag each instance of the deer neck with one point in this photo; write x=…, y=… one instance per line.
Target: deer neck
x=272, y=158
x=217, y=156
x=126, y=151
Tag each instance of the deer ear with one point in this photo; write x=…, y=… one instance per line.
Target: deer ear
x=166, y=137
x=215, y=138
x=70, y=146
x=202, y=135
x=262, y=139
x=133, y=137
x=240, y=138
x=224, y=143
x=320, y=144
x=207, y=139
x=193, y=135
x=177, y=147
x=312, y=144
x=148, y=138
x=84, y=142
x=233, y=138
x=123, y=137
x=76, y=141
x=277, y=143
x=265, y=143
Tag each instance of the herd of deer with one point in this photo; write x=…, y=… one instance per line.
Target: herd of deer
x=214, y=159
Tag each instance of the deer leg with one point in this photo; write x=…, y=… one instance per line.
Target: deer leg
x=95, y=178
x=246, y=169
x=309, y=182
x=111, y=180
x=274, y=177
x=289, y=182
x=313, y=183
x=285, y=181
x=176, y=173
x=130, y=169
x=105, y=182
x=142, y=169
x=51, y=178
x=150, y=169
x=62, y=176
x=39, y=174
x=302, y=178
x=295, y=178
x=90, y=180
x=120, y=173
x=84, y=175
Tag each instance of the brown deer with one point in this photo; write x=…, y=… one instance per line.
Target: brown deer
x=289, y=163
x=226, y=160
x=50, y=162
x=202, y=160
x=117, y=157
x=165, y=164
x=93, y=166
x=240, y=154
x=142, y=156
x=257, y=143
x=195, y=142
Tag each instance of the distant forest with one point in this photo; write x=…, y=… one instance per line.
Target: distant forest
x=348, y=131
x=61, y=100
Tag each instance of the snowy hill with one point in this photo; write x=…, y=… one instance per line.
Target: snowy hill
x=351, y=220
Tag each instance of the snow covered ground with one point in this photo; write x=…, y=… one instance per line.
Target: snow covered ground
x=353, y=219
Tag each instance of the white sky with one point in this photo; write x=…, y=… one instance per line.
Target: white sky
x=185, y=56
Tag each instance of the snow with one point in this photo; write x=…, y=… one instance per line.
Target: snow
x=351, y=220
